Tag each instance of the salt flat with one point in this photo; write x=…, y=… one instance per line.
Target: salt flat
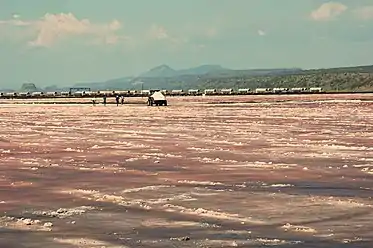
x=249, y=171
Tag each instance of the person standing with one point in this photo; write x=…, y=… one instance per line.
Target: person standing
x=117, y=100
x=104, y=100
x=122, y=100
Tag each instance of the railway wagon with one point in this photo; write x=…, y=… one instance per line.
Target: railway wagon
x=24, y=94
x=178, y=92
x=122, y=92
x=298, y=90
x=37, y=94
x=10, y=94
x=280, y=90
x=263, y=90
x=78, y=93
x=65, y=94
x=193, y=92
x=316, y=90
x=52, y=94
x=244, y=91
x=165, y=92
x=145, y=92
x=89, y=93
x=226, y=91
x=107, y=93
x=210, y=91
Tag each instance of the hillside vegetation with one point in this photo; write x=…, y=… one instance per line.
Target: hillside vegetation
x=329, y=81
x=342, y=81
x=358, y=78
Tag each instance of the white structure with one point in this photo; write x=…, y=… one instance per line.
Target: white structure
x=107, y=92
x=12, y=94
x=52, y=93
x=298, y=90
x=121, y=92
x=193, y=91
x=145, y=92
x=210, y=91
x=78, y=93
x=24, y=94
x=65, y=93
x=226, y=91
x=263, y=90
x=315, y=90
x=280, y=90
x=37, y=94
x=177, y=92
x=244, y=91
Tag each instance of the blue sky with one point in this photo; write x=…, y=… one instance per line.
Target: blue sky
x=63, y=42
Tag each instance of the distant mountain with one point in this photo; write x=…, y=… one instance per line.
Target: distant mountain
x=203, y=69
x=159, y=71
x=164, y=71
x=29, y=87
x=164, y=77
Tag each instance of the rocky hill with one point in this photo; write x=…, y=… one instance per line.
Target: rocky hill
x=28, y=87
x=358, y=78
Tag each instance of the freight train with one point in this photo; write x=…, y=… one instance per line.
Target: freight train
x=178, y=92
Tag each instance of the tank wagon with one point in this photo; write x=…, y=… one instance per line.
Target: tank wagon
x=226, y=91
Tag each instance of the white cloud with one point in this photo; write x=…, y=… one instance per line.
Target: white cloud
x=261, y=32
x=328, y=11
x=53, y=27
x=364, y=13
x=158, y=32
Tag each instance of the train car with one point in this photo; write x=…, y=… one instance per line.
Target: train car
x=51, y=94
x=145, y=92
x=280, y=90
x=226, y=91
x=210, y=91
x=37, y=94
x=107, y=93
x=88, y=93
x=298, y=90
x=244, y=91
x=177, y=92
x=122, y=92
x=193, y=92
x=24, y=94
x=316, y=90
x=11, y=94
x=134, y=93
x=78, y=93
x=65, y=94
x=165, y=92
x=263, y=90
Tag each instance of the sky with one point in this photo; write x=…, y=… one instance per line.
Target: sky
x=63, y=42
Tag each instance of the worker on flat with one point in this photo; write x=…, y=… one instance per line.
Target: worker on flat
x=104, y=100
